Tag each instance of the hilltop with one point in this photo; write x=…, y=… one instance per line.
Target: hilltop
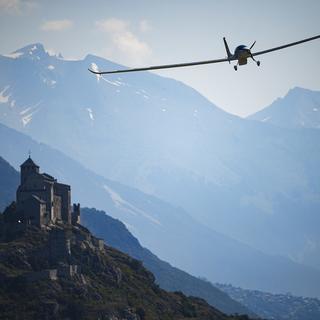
x=40, y=279
x=116, y=235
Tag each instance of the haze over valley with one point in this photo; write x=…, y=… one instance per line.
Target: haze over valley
x=217, y=175
x=196, y=188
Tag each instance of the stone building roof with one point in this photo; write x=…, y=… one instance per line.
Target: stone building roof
x=29, y=162
x=48, y=177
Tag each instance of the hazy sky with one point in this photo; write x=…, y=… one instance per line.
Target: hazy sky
x=144, y=32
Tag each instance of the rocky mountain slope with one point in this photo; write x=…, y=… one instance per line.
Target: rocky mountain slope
x=164, y=138
x=87, y=282
x=169, y=278
x=275, y=306
x=300, y=108
x=197, y=249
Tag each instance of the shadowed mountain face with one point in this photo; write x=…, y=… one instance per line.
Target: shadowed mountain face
x=167, y=231
x=169, y=278
x=8, y=183
x=300, y=108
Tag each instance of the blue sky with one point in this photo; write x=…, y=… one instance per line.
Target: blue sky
x=144, y=32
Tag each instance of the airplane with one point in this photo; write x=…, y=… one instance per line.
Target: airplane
x=241, y=55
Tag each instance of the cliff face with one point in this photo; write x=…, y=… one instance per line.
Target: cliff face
x=63, y=272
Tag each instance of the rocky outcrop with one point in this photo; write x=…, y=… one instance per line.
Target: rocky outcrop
x=63, y=272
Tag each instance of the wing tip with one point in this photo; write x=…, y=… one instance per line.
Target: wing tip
x=92, y=71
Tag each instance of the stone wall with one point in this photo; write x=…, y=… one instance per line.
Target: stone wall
x=50, y=274
x=64, y=191
x=59, y=243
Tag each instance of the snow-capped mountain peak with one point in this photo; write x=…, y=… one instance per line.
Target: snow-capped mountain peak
x=299, y=108
x=33, y=51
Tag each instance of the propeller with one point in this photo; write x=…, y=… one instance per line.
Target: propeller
x=252, y=45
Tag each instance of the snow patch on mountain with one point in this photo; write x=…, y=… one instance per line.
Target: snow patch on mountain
x=33, y=52
x=297, y=109
x=25, y=120
x=49, y=82
x=90, y=112
x=25, y=111
x=13, y=55
x=28, y=113
x=4, y=98
x=114, y=83
x=123, y=204
x=95, y=68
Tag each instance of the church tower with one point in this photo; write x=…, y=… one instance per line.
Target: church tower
x=27, y=168
x=41, y=199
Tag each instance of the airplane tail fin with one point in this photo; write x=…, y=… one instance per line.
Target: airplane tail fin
x=227, y=48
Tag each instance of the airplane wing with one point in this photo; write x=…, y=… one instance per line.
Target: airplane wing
x=285, y=46
x=167, y=66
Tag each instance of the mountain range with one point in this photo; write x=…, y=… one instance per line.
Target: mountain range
x=300, y=108
x=265, y=305
x=223, y=179
x=198, y=250
x=162, y=137
x=275, y=306
x=116, y=235
x=169, y=278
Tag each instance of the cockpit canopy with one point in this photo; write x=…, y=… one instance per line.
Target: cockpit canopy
x=241, y=47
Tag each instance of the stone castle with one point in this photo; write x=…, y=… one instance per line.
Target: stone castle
x=41, y=200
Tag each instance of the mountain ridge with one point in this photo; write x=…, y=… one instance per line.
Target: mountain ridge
x=117, y=236
x=192, y=240
x=299, y=108
x=169, y=278
x=277, y=307
x=161, y=137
